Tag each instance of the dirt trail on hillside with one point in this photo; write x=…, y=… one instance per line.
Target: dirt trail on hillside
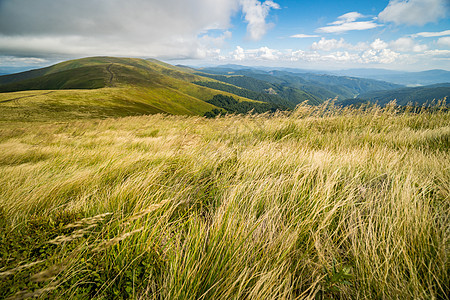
x=111, y=78
x=18, y=98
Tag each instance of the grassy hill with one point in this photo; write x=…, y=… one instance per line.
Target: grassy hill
x=105, y=87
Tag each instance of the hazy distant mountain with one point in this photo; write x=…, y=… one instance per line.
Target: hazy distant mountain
x=261, y=68
x=405, y=78
x=414, y=95
x=398, y=77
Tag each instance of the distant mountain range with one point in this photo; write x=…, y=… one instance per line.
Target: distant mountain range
x=115, y=87
x=414, y=95
x=300, y=86
x=409, y=79
x=406, y=78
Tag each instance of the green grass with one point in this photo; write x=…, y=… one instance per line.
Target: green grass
x=97, y=72
x=103, y=87
x=322, y=203
x=62, y=105
x=80, y=78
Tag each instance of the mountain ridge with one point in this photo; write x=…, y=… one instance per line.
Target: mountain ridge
x=320, y=86
x=424, y=95
x=123, y=84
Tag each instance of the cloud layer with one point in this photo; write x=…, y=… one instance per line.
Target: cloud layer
x=34, y=30
x=414, y=12
x=169, y=28
x=404, y=51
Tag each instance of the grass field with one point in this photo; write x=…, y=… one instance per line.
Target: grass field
x=321, y=203
x=102, y=87
x=62, y=105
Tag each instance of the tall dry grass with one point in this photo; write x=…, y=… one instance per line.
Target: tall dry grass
x=321, y=203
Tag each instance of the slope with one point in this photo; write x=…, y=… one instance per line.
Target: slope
x=319, y=86
x=104, y=87
x=277, y=92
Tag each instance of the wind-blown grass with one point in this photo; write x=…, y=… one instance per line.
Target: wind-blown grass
x=322, y=202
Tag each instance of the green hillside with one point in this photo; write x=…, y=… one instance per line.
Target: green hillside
x=316, y=86
x=61, y=105
x=291, y=95
x=104, y=71
x=250, y=94
x=104, y=87
x=90, y=77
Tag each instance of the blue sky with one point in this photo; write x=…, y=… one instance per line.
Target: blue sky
x=321, y=34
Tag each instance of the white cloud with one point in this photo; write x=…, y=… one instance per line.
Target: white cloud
x=432, y=34
x=328, y=45
x=375, y=54
x=378, y=45
x=22, y=61
x=348, y=27
x=347, y=22
x=163, y=29
x=361, y=46
x=414, y=12
x=341, y=56
x=437, y=54
x=419, y=48
x=216, y=41
x=444, y=41
x=255, y=15
x=404, y=52
x=347, y=18
x=377, y=51
x=384, y=56
x=303, y=36
x=239, y=53
x=269, y=54
x=304, y=56
x=263, y=53
x=407, y=44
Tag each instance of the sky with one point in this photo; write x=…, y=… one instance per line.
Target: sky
x=410, y=35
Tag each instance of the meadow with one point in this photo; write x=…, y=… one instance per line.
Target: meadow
x=319, y=203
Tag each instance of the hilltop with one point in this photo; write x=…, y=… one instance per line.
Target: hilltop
x=107, y=87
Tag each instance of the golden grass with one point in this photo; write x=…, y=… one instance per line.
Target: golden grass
x=320, y=203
